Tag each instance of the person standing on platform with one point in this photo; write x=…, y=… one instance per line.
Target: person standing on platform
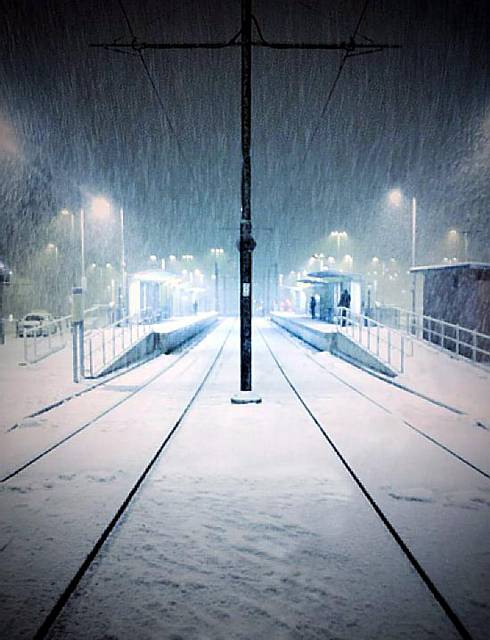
x=313, y=307
x=344, y=304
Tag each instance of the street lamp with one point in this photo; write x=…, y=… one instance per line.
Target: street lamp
x=338, y=236
x=216, y=251
x=395, y=197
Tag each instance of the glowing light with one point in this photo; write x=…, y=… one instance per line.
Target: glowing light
x=395, y=197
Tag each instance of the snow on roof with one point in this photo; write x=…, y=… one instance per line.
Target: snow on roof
x=454, y=265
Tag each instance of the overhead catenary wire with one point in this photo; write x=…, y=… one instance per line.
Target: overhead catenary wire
x=157, y=94
x=348, y=54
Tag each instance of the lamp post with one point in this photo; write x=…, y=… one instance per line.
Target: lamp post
x=216, y=252
x=338, y=236
x=395, y=197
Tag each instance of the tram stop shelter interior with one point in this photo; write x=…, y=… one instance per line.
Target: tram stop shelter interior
x=327, y=287
x=159, y=294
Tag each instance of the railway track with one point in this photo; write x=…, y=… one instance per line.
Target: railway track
x=451, y=410
x=416, y=565
x=107, y=380
x=79, y=429
x=58, y=607
x=53, y=615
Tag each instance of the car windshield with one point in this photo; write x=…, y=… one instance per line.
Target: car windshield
x=33, y=318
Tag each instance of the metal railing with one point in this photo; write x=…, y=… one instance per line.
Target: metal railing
x=45, y=339
x=460, y=341
x=104, y=345
x=50, y=337
x=387, y=344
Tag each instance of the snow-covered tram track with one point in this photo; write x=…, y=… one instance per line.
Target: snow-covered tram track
x=104, y=384
x=54, y=613
x=416, y=429
x=438, y=596
x=106, y=380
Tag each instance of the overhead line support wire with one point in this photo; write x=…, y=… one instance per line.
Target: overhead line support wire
x=150, y=79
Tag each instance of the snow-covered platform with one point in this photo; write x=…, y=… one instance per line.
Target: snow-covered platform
x=326, y=337
x=249, y=525
x=163, y=337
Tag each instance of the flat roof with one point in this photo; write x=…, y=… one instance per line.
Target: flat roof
x=453, y=265
x=331, y=275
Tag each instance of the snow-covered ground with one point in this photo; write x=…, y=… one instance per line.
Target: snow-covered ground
x=26, y=388
x=427, y=370
x=249, y=526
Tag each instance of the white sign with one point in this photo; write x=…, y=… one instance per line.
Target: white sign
x=246, y=290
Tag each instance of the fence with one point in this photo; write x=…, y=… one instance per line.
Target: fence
x=104, y=345
x=52, y=336
x=446, y=336
x=387, y=344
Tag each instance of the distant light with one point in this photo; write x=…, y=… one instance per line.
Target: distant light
x=108, y=265
x=65, y=212
x=453, y=233
x=375, y=260
x=93, y=265
x=101, y=207
x=153, y=258
x=395, y=197
x=172, y=258
x=187, y=257
x=348, y=258
x=50, y=246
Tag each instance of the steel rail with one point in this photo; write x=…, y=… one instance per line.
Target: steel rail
x=417, y=430
x=57, y=403
x=95, y=419
x=58, y=607
x=438, y=596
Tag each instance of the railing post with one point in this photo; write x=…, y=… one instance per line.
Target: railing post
x=35, y=344
x=473, y=341
x=457, y=340
x=369, y=334
x=389, y=346
x=49, y=338
x=442, y=334
x=377, y=339
x=91, y=361
x=402, y=354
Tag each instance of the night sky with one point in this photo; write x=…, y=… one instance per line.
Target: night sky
x=85, y=121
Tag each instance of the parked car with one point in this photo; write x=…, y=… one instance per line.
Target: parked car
x=39, y=323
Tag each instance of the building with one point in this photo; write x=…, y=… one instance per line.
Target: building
x=459, y=294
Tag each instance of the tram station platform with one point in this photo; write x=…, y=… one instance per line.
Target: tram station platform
x=325, y=336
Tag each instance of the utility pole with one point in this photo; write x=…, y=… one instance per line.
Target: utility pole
x=246, y=243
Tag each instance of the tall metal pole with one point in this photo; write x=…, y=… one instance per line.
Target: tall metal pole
x=246, y=243
x=82, y=249
x=414, y=235
x=123, y=267
x=216, y=284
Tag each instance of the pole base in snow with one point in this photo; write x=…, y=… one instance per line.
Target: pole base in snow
x=246, y=397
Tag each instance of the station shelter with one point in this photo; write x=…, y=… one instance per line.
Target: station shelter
x=327, y=287
x=158, y=294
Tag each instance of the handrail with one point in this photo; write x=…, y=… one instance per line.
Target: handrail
x=104, y=345
x=441, y=335
x=350, y=319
